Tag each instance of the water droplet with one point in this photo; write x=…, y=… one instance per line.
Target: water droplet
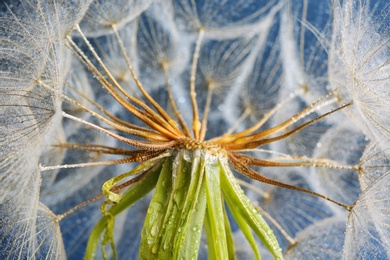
x=154, y=229
x=155, y=249
x=187, y=157
x=168, y=241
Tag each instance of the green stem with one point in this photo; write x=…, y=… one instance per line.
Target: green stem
x=215, y=231
x=132, y=195
x=240, y=206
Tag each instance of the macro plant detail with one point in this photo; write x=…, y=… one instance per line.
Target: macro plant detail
x=192, y=129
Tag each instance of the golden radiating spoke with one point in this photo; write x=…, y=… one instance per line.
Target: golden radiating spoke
x=151, y=146
x=301, y=162
x=101, y=195
x=195, y=113
x=141, y=156
x=235, y=125
x=240, y=137
x=154, y=115
x=149, y=117
x=145, y=133
x=111, y=116
x=229, y=137
x=253, y=144
x=97, y=148
x=203, y=126
x=162, y=112
x=242, y=167
x=136, y=155
x=172, y=102
x=99, y=76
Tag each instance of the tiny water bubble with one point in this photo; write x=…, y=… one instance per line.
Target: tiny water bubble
x=155, y=249
x=154, y=229
x=187, y=157
x=182, y=100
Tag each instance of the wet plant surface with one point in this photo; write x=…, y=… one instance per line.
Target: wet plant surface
x=182, y=130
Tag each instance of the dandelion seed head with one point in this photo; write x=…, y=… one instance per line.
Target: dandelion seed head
x=102, y=102
x=358, y=57
x=102, y=14
x=369, y=218
x=374, y=163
